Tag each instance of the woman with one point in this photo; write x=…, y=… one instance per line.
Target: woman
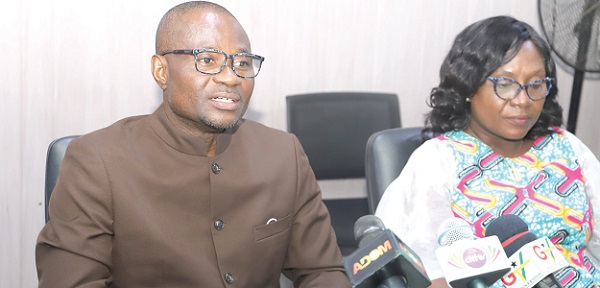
x=499, y=150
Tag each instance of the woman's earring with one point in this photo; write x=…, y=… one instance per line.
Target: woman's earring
x=468, y=99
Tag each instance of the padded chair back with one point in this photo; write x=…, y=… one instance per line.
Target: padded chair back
x=386, y=154
x=54, y=157
x=333, y=129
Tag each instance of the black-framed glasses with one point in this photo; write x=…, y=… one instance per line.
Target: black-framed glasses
x=212, y=61
x=508, y=88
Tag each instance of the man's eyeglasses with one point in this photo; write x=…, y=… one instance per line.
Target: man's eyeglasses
x=508, y=88
x=212, y=61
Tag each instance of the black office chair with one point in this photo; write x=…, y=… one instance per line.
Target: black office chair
x=386, y=154
x=333, y=129
x=55, y=155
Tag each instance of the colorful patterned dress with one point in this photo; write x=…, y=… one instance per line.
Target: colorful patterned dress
x=546, y=187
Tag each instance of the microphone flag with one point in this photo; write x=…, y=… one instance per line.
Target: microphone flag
x=470, y=259
x=385, y=255
x=532, y=262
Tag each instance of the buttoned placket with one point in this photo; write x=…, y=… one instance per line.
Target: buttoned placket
x=219, y=224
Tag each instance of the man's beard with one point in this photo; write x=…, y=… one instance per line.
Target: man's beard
x=216, y=126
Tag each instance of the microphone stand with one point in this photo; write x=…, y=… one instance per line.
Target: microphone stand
x=395, y=281
x=477, y=283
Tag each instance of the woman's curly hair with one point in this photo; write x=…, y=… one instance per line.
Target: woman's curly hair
x=478, y=51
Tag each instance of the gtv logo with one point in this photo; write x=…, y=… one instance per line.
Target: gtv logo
x=540, y=255
x=518, y=273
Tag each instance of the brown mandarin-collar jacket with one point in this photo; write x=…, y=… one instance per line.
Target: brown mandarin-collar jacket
x=139, y=204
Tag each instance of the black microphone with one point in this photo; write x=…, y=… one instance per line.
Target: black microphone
x=517, y=241
x=382, y=260
x=468, y=261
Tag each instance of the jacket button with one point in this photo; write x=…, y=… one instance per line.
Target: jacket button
x=215, y=168
x=219, y=225
x=229, y=278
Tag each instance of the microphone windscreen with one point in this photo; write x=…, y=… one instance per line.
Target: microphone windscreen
x=506, y=226
x=366, y=228
x=452, y=230
x=512, y=232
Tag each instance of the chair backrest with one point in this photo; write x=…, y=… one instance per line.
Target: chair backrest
x=54, y=157
x=334, y=127
x=386, y=154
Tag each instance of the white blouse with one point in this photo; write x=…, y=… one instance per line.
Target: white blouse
x=418, y=201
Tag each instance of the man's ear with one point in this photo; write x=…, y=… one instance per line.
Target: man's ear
x=160, y=71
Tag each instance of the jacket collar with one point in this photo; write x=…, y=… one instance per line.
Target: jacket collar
x=182, y=141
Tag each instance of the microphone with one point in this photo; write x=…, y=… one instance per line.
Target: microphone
x=468, y=261
x=382, y=260
x=533, y=259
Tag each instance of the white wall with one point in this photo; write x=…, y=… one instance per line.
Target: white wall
x=71, y=67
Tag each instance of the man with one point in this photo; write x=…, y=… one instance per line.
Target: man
x=192, y=195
